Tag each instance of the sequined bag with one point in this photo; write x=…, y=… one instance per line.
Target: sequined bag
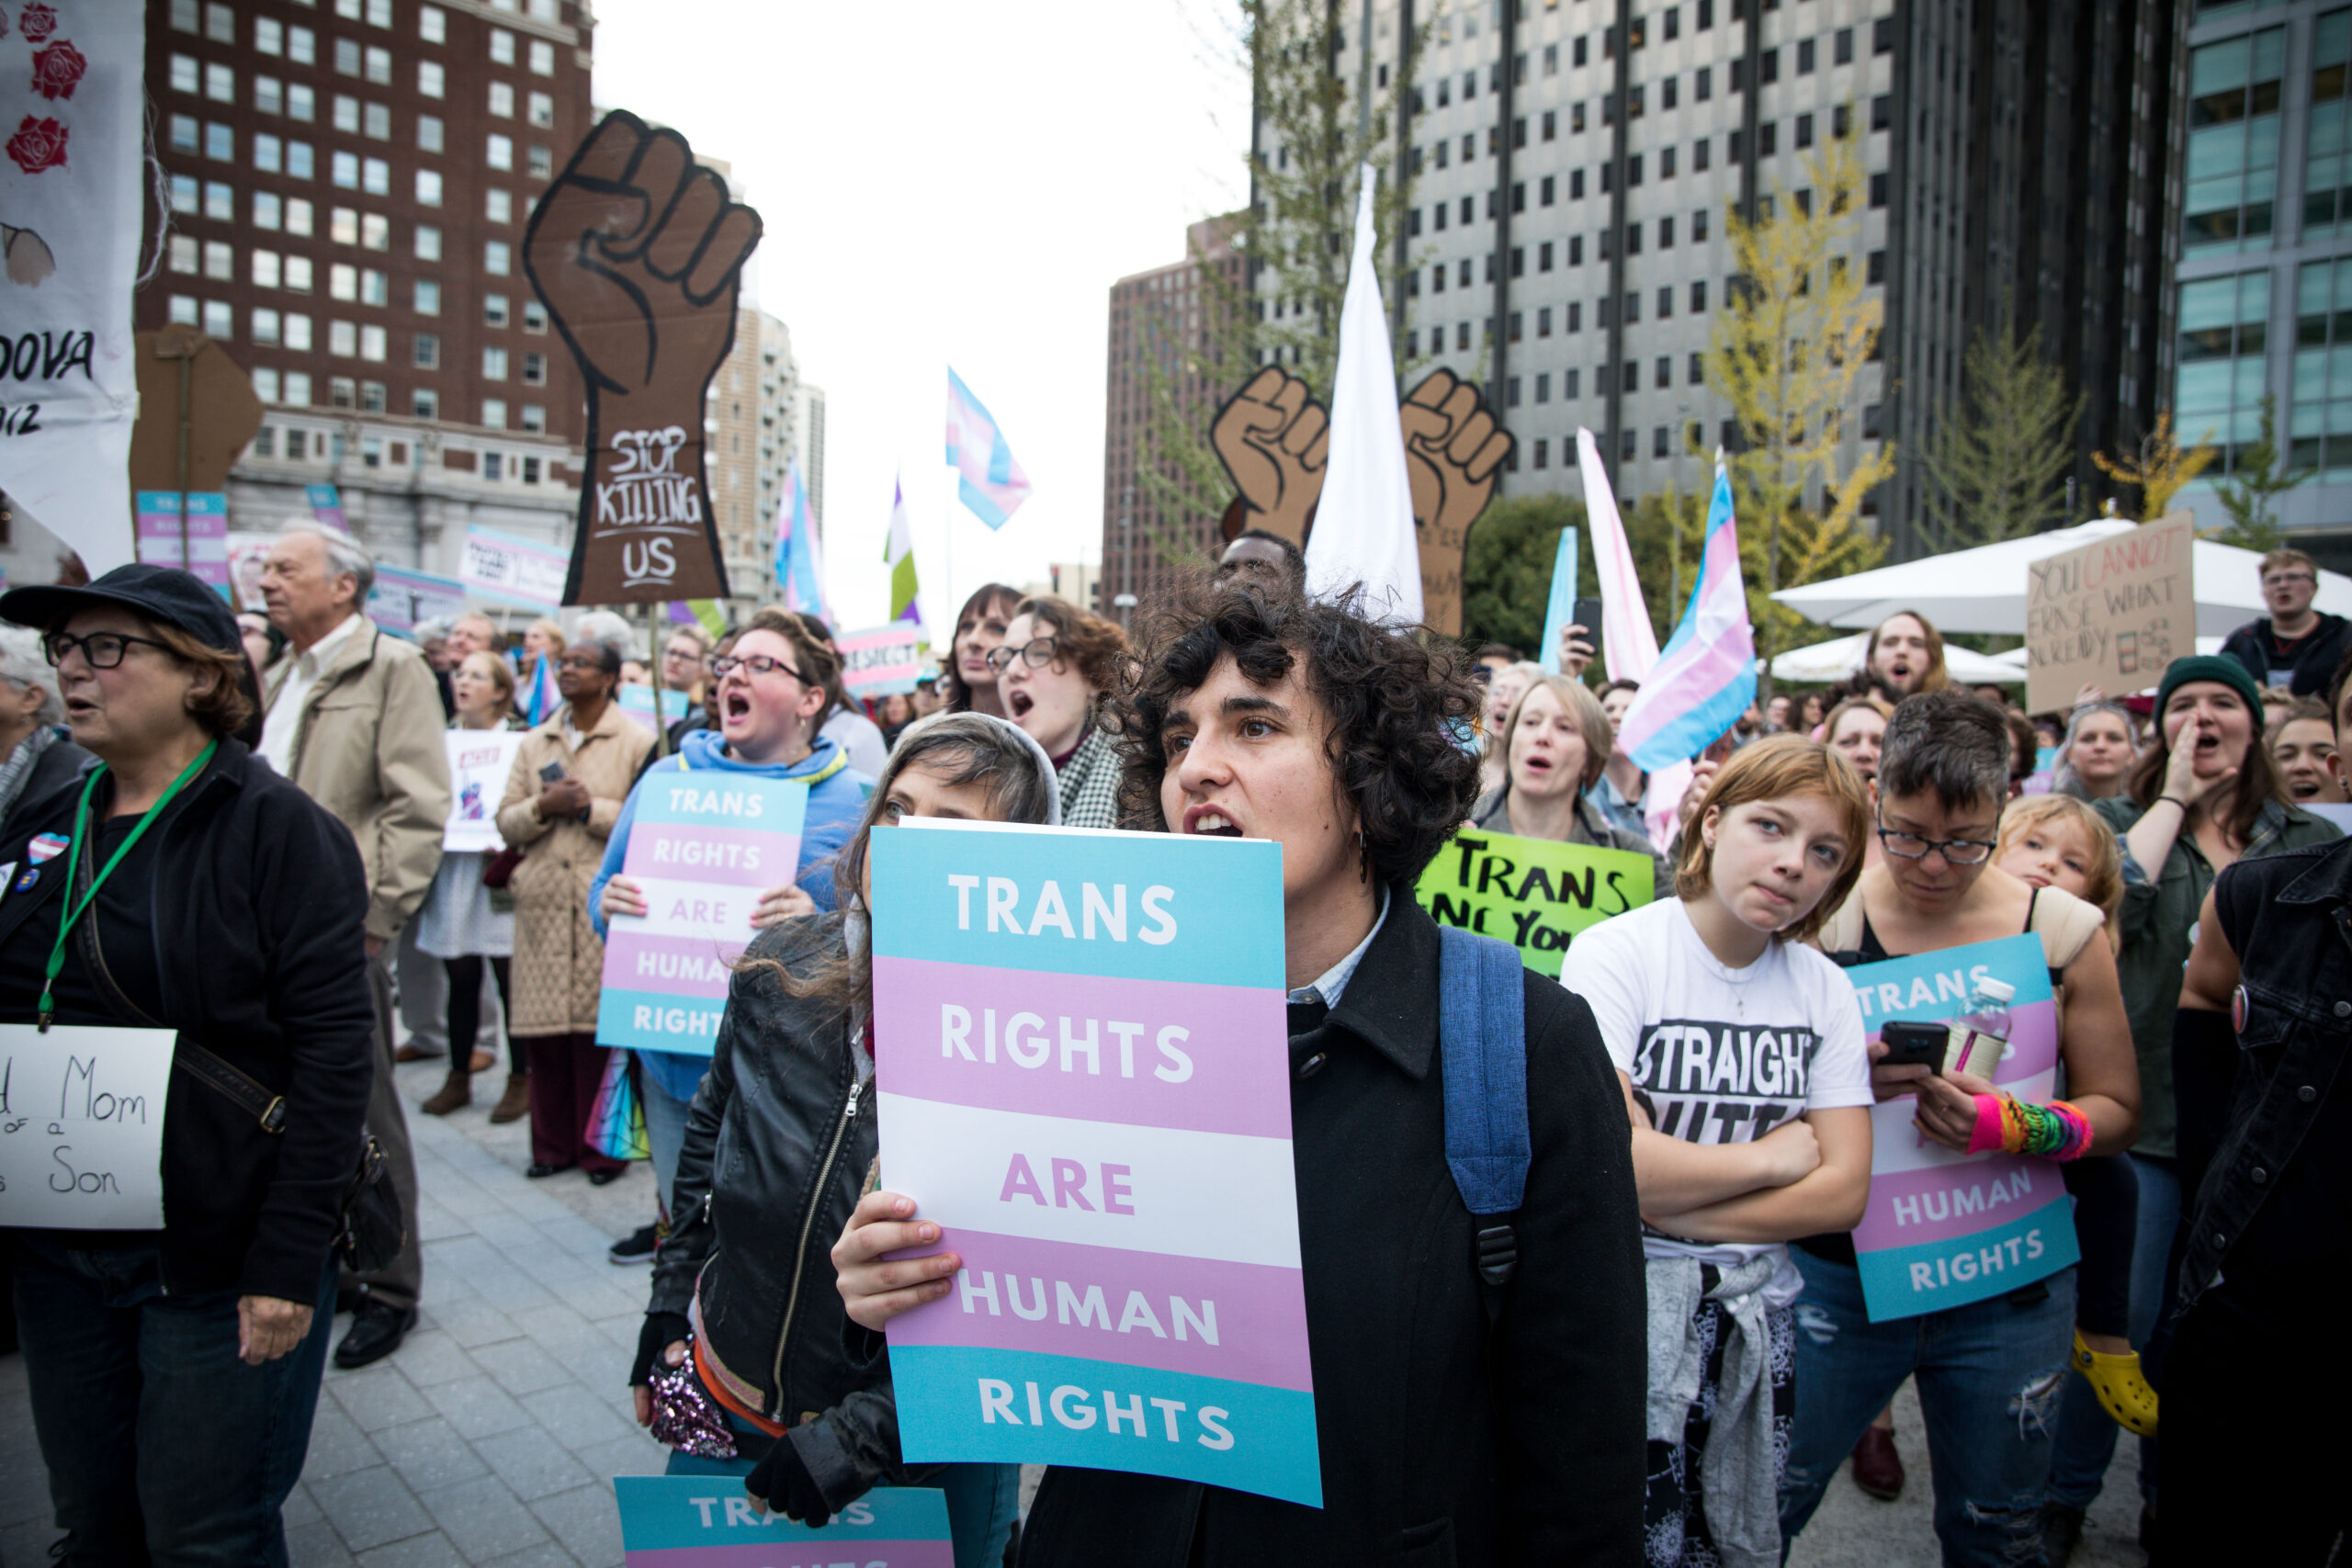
x=684, y=1415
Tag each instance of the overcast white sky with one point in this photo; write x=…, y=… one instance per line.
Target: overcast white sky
x=948, y=183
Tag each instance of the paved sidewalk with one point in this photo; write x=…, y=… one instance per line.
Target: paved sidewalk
x=490, y=1438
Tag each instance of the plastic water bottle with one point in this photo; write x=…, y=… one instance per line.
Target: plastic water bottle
x=1980, y=1037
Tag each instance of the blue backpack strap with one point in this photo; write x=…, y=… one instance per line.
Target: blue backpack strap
x=1482, y=1032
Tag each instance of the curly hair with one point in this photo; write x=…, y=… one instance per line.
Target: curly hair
x=1096, y=645
x=1399, y=711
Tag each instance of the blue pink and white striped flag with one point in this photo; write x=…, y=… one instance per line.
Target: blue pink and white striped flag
x=799, y=563
x=992, y=484
x=1705, y=676
x=541, y=701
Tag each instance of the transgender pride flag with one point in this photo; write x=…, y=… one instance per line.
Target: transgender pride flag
x=992, y=484
x=1705, y=676
x=799, y=564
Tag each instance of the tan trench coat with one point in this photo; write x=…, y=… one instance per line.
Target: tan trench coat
x=369, y=747
x=558, y=958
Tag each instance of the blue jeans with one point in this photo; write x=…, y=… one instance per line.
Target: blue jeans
x=982, y=1499
x=2085, y=1434
x=162, y=1446
x=665, y=1130
x=1988, y=1375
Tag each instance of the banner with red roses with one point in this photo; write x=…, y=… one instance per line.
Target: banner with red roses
x=71, y=162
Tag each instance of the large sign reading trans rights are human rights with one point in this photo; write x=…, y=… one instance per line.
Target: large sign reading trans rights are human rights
x=1081, y=1054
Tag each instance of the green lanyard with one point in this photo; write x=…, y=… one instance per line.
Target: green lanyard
x=71, y=911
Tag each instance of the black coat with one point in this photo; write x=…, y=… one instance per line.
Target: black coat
x=778, y=1142
x=2330, y=639
x=1442, y=1443
x=258, y=908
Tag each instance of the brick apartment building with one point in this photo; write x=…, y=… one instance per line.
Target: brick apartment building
x=1162, y=315
x=345, y=190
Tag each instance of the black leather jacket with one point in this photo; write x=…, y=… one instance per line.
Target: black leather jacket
x=2288, y=918
x=779, y=1143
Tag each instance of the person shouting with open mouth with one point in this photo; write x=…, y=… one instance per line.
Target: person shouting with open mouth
x=1055, y=665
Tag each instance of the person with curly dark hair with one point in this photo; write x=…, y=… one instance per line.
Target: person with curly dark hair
x=1053, y=669
x=1450, y=1428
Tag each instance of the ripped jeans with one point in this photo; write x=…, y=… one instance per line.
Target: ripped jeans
x=1989, y=1376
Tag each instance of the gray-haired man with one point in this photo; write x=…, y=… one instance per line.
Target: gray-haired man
x=354, y=720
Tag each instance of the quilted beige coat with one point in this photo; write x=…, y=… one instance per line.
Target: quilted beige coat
x=558, y=958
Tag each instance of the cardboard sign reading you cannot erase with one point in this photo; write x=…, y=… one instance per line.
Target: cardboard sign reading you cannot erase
x=706, y=1522
x=1532, y=893
x=2113, y=613
x=1084, y=1079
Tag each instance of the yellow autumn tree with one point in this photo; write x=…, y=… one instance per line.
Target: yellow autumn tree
x=1787, y=353
x=2160, y=469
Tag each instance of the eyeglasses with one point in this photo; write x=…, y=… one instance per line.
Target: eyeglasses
x=1956, y=851
x=757, y=663
x=1039, y=653
x=2280, y=577
x=100, y=650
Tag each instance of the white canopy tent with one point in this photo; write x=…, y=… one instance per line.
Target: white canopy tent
x=1982, y=589
x=1840, y=657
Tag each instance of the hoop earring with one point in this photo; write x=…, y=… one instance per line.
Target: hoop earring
x=1364, y=859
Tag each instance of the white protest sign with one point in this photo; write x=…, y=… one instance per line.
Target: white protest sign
x=81, y=1127
x=517, y=570
x=480, y=761
x=73, y=173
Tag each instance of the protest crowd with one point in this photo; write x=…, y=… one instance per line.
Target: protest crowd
x=1661, y=1346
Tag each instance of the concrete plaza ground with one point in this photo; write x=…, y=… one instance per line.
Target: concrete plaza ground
x=490, y=1438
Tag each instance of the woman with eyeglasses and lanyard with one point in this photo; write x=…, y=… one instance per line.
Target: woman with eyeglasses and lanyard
x=772, y=693
x=1988, y=1373
x=1052, y=671
x=177, y=884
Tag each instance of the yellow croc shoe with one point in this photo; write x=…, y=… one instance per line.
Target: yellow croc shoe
x=2123, y=1392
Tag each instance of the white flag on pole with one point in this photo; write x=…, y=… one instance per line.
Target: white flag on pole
x=1363, y=524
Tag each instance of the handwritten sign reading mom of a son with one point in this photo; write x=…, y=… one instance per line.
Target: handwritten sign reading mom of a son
x=1535, y=894
x=81, y=1127
x=2111, y=614
x=702, y=846
x=1082, y=1063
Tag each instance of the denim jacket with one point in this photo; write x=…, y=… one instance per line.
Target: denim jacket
x=2289, y=920
x=2158, y=917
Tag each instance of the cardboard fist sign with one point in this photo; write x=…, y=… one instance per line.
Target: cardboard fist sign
x=638, y=254
x=1274, y=441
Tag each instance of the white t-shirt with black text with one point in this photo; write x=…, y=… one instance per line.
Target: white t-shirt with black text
x=1718, y=1055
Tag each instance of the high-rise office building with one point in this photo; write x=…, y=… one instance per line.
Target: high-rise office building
x=1575, y=160
x=751, y=444
x=345, y=188
x=1162, y=331
x=2266, y=258
x=809, y=444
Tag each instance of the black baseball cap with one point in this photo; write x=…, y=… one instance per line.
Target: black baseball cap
x=162, y=593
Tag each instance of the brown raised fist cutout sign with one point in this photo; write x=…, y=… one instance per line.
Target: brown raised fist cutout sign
x=638, y=253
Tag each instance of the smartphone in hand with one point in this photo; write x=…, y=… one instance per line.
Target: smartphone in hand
x=1914, y=1045
x=551, y=773
x=1587, y=616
